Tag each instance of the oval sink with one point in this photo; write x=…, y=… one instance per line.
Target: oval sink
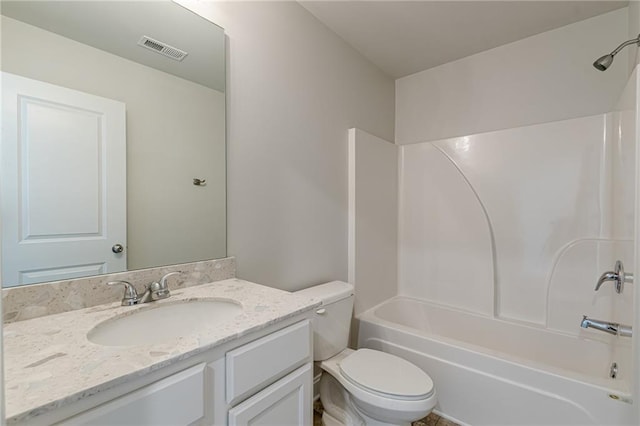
x=163, y=322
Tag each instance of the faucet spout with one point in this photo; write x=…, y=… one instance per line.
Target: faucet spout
x=606, y=326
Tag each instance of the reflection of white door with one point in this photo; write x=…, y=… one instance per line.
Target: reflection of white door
x=62, y=182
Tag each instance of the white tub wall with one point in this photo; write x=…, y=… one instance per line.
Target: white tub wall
x=541, y=187
x=628, y=108
x=571, y=287
x=444, y=239
x=624, y=192
x=373, y=217
x=543, y=78
x=544, y=193
x=578, y=264
x=623, y=171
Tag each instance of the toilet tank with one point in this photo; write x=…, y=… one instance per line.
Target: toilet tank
x=332, y=320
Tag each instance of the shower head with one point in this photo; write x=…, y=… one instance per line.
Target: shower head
x=604, y=62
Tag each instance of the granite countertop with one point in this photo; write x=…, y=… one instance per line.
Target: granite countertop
x=49, y=362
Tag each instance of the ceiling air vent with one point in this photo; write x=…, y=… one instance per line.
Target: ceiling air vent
x=162, y=48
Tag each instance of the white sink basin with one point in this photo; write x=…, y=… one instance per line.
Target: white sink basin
x=163, y=322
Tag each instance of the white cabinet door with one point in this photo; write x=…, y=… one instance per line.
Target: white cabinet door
x=63, y=182
x=173, y=401
x=285, y=403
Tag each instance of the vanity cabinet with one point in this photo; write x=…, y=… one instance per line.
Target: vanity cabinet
x=253, y=366
x=264, y=378
x=285, y=402
x=174, y=400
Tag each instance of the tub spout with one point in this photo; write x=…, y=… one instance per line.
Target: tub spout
x=606, y=326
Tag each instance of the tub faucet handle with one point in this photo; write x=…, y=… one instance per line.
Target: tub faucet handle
x=618, y=276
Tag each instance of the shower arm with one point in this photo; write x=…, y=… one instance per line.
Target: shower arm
x=625, y=44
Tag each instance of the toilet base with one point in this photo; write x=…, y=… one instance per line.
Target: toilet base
x=339, y=409
x=329, y=420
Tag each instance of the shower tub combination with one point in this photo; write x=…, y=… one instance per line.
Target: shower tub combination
x=492, y=372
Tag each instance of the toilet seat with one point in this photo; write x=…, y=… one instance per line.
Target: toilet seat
x=386, y=375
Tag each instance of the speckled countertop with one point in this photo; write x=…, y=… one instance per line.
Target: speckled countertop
x=49, y=362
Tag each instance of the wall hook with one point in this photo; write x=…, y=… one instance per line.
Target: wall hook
x=199, y=182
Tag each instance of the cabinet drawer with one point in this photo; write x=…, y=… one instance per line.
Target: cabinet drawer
x=174, y=400
x=257, y=364
x=287, y=402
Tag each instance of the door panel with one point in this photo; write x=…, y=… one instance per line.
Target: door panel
x=63, y=182
x=60, y=273
x=59, y=202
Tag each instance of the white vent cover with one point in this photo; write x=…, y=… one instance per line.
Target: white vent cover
x=162, y=48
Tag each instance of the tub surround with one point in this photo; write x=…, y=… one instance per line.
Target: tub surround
x=49, y=362
x=37, y=300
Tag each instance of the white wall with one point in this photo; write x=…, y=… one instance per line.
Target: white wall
x=546, y=77
x=2, y=416
x=295, y=88
x=373, y=219
x=164, y=115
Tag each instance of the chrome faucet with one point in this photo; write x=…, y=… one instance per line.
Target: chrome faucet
x=155, y=291
x=130, y=294
x=618, y=276
x=608, y=327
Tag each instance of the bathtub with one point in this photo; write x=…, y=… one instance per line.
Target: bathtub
x=493, y=372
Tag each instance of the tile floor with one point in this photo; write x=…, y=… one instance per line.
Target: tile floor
x=431, y=420
x=434, y=420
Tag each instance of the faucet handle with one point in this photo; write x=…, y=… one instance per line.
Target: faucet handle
x=130, y=294
x=607, y=276
x=160, y=289
x=163, y=280
x=618, y=276
x=625, y=277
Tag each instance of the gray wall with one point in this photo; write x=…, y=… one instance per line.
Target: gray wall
x=542, y=78
x=294, y=90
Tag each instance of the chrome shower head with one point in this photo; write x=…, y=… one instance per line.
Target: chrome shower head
x=604, y=62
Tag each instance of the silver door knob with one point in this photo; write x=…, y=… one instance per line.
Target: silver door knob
x=117, y=248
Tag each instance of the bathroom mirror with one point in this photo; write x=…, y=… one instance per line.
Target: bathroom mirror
x=113, y=138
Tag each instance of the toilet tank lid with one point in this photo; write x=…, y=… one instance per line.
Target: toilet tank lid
x=329, y=292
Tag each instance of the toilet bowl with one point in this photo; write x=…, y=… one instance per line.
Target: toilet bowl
x=382, y=388
x=365, y=386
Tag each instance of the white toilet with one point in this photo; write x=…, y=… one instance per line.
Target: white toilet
x=363, y=387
